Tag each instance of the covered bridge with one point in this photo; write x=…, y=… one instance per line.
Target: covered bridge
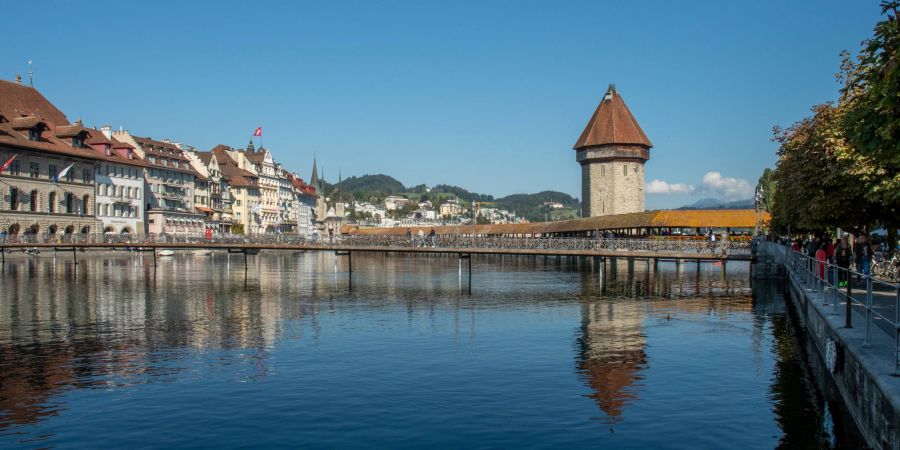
x=648, y=223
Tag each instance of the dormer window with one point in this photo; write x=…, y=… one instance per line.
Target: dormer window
x=106, y=150
x=78, y=142
x=34, y=134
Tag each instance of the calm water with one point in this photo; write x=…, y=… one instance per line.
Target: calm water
x=293, y=352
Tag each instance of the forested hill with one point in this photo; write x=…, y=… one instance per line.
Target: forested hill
x=383, y=184
x=375, y=188
x=533, y=208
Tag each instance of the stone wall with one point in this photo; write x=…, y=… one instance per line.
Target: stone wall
x=612, y=187
x=862, y=374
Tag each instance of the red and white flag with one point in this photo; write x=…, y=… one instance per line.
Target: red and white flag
x=258, y=131
x=7, y=163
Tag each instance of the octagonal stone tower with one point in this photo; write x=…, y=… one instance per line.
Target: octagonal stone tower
x=612, y=151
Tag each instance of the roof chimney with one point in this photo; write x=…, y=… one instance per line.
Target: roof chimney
x=18, y=78
x=107, y=131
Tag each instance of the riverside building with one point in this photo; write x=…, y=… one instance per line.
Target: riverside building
x=237, y=171
x=120, y=184
x=48, y=186
x=169, y=186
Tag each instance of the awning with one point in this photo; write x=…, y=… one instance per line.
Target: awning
x=203, y=209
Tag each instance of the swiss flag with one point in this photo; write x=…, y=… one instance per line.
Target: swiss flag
x=258, y=131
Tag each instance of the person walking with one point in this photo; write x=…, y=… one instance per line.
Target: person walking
x=842, y=257
x=421, y=235
x=409, y=237
x=862, y=253
x=432, y=236
x=820, y=261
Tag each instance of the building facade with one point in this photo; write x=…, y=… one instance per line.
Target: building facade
x=168, y=185
x=120, y=185
x=243, y=186
x=48, y=187
x=612, y=151
x=269, y=186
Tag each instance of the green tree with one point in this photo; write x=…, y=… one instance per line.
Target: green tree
x=872, y=94
x=816, y=187
x=768, y=184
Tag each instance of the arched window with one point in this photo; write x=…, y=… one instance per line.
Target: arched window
x=86, y=204
x=13, y=198
x=70, y=203
x=51, y=202
x=34, y=200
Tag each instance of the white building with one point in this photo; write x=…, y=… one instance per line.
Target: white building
x=394, y=202
x=120, y=184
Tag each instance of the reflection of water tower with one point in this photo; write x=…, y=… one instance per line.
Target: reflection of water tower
x=612, y=354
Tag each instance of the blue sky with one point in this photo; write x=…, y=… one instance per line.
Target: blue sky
x=490, y=96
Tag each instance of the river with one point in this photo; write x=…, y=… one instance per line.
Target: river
x=292, y=350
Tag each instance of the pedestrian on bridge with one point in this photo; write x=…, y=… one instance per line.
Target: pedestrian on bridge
x=409, y=237
x=432, y=236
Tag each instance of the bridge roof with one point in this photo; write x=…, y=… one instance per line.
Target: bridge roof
x=719, y=218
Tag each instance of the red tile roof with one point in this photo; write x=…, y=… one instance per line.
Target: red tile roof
x=234, y=175
x=612, y=123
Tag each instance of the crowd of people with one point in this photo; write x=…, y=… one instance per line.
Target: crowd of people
x=857, y=257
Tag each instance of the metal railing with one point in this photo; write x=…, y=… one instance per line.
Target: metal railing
x=879, y=299
x=717, y=249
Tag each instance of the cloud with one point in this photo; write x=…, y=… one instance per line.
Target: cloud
x=662, y=187
x=729, y=188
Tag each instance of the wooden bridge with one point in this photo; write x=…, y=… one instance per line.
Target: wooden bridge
x=647, y=249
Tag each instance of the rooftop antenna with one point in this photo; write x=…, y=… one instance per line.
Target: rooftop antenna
x=30, y=74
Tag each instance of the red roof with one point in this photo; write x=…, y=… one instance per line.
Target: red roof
x=612, y=123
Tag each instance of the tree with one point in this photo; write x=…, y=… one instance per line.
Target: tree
x=481, y=220
x=872, y=94
x=816, y=187
x=769, y=185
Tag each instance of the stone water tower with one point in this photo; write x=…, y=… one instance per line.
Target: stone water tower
x=612, y=151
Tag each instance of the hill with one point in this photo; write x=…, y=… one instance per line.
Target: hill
x=375, y=188
x=713, y=203
x=531, y=206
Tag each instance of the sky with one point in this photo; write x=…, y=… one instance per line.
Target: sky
x=490, y=96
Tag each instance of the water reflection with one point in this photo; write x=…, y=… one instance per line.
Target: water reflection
x=288, y=322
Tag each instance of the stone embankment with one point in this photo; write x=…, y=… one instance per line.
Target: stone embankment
x=864, y=372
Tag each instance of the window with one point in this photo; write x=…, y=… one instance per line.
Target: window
x=70, y=175
x=34, y=134
x=34, y=201
x=86, y=204
x=86, y=176
x=239, y=215
x=52, y=170
x=137, y=192
x=34, y=169
x=70, y=203
x=238, y=203
x=51, y=202
x=13, y=198
x=15, y=167
x=104, y=209
x=77, y=142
